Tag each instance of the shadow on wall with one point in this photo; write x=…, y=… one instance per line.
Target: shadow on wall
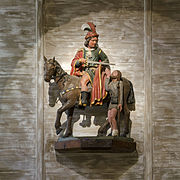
x=98, y=112
x=98, y=165
x=58, y=13
x=61, y=12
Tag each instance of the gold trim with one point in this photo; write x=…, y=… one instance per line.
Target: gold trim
x=89, y=78
x=100, y=81
x=80, y=102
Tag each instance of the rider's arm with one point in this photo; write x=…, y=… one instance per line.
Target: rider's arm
x=80, y=62
x=103, y=56
x=77, y=64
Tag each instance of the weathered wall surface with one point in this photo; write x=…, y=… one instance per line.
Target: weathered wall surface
x=166, y=89
x=142, y=51
x=17, y=89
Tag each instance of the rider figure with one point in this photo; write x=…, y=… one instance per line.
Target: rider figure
x=81, y=67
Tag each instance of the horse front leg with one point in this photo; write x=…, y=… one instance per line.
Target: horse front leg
x=69, y=122
x=58, y=123
x=62, y=109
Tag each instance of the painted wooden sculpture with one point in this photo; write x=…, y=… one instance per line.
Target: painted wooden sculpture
x=90, y=67
x=69, y=93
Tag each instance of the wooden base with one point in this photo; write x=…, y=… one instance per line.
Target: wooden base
x=95, y=144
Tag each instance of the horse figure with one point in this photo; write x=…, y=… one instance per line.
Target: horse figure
x=53, y=93
x=54, y=97
x=69, y=92
x=65, y=82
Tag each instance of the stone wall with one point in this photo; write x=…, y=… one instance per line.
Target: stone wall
x=165, y=89
x=140, y=37
x=18, y=89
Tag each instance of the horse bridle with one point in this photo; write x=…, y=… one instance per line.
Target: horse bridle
x=60, y=76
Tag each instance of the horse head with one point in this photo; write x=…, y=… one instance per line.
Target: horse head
x=49, y=69
x=52, y=70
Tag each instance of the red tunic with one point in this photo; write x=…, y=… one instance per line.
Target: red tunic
x=98, y=90
x=98, y=85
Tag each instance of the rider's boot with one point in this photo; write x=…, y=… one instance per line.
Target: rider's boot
x=84, y=97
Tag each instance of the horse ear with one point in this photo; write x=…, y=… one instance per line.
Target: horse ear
x=45, y=59
x=54, y=58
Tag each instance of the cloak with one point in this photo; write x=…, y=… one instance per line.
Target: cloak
x=98, y=92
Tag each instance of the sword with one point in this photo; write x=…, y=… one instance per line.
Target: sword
x=102, y=63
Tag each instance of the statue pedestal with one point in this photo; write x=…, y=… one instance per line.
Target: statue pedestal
x=95, y=144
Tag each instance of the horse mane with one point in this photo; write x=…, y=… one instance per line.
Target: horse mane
x=58, y=66
x=60, y=71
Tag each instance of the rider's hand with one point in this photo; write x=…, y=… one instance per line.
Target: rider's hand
x=120, y=107
x=108, y=72
x=83, y=61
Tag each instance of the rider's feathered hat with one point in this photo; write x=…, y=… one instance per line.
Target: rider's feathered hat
x=91, y=28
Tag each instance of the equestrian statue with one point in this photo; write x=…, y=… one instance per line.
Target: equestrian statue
x=90, y=85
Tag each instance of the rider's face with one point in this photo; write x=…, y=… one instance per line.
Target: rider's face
x=93, y=42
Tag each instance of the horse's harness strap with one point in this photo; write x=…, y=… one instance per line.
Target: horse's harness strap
x=69, y=89
x=60, y=77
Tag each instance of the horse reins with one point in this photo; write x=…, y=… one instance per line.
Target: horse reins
x=60, y=77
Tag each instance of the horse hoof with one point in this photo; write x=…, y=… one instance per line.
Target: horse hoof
x=123, y=135
x=101, y=134
x=58, y=130
x=67, y=134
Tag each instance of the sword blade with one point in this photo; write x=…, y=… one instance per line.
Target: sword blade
x=102, y=63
